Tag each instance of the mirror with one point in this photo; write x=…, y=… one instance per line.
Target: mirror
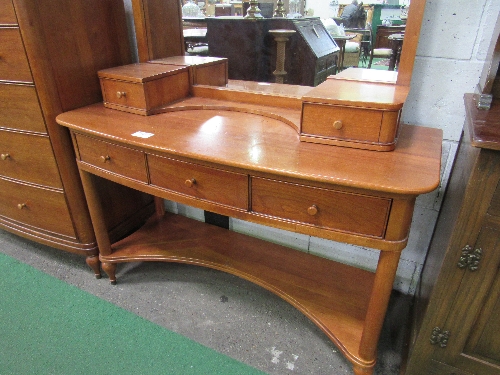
x=158, y=25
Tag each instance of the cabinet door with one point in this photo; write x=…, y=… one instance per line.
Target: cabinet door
x=474, y=330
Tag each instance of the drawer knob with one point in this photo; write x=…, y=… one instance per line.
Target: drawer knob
x=338, y=124
x=190, y=182
x=21, y=205
x=5, y=156
x=313, y=210
x=121, y=94
x=106, y=158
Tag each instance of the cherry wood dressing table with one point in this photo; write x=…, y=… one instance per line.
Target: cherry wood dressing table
x=244, y=159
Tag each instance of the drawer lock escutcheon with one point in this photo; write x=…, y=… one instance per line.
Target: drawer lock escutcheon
x=470, y=258
x=5, y=156
x=105, y=158
x=190, y=182
x=313, y=210
x=338, y=124
x=121, y=94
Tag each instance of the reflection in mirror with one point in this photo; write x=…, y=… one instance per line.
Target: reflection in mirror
x=159, y=33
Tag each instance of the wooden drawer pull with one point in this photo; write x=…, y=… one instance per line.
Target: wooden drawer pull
x=106, y=158
x=5, y=156
x=190, y=183
x=338, y=124
x=313, y=210
x=121, y=94
x=21, y=206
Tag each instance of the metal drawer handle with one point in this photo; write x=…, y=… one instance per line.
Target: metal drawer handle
x=21, y=206
x=121, y=94
x=338, y=124
x=106, y=158
x=5, y=156
x=313, y=210
x=190, y=182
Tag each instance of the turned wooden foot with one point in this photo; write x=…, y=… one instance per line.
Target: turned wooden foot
x=358, y=370
x=110, y=269
x=94, y=263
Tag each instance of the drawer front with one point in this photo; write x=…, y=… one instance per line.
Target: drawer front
x=210, y=184
x=116, y=159
x=7, y=14
x=341, y=122
x=122, y=93
x=330, y=209
x=13, y=62
x=19, y=108
x=29, y=158
x=38, y=207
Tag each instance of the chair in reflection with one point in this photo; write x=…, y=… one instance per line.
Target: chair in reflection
x=378, y=53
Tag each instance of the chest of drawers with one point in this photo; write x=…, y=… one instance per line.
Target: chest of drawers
x=45, y=69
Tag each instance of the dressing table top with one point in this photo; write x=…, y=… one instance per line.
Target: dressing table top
x=265, y=140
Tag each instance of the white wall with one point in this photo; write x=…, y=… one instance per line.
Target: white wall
x=453, y=46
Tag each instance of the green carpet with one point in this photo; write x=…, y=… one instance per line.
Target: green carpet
x=50, y=327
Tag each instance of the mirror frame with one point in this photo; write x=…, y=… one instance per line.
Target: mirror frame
x=158, y=28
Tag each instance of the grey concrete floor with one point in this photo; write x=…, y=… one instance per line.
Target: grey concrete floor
x=218, y=310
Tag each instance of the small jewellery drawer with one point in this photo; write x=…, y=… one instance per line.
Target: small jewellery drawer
x=142, y=88
x=39, y=207
x=28, y=157
x=19, y=108
x=214, y=185
x=13, y=62
x=331, y=209
x=113, y=158
x=341, y=122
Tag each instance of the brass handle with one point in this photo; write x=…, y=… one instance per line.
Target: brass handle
x=338, y=124
x=190, y=182
x=313, y=210
x=21, y=205
x=106, y=158
x=5, y=156
x=121, y=94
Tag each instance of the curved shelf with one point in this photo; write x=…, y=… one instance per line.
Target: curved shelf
x=332, y=295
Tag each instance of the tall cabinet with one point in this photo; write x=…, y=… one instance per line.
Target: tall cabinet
x=50, y=52
x=457, y=325
x=456, y=328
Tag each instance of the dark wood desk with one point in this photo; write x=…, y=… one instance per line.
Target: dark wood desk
x=244, y=159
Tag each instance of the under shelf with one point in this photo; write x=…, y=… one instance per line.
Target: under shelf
x=332, y=295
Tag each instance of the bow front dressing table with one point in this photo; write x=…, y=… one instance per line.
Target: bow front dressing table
x=239, y=153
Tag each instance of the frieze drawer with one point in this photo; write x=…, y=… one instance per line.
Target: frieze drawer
x=113, y=158
x=28, y=157
x=210, y=184
x=324, y=208
x=13, y=62
x=39, y=207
